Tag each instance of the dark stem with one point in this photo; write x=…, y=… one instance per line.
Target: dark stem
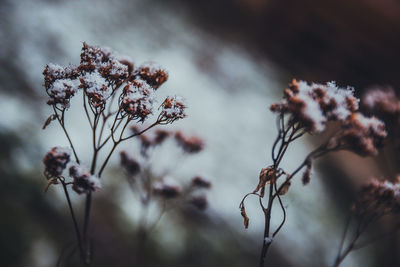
x=78, y=235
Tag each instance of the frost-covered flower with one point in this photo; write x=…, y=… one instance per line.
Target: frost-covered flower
x=153, y=74
x=382, y=101
x=380, y=196
x=200, y=202
x=96, y=88
x=192, y=144
x=129, y=163
x=84, y=181
x=315, y=104
x=200, y=182
x=361, y=134
x=166, y=188
x=173, y=108
x=61, y=83
x=138, y=99
x=55, y=161
x=105, y=62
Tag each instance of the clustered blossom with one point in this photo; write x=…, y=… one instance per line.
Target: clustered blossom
x=382, y=101
x=191, y=144
x=129, y=163
x=315, y=104
x=101, y=73
x=380, y=197
x=164, y=187
x=361, y=134
x=60, y=83
x=96, y=88
x=153, y=74
x=83, y=180
x=138, y=99
x=173, y=108
x=55, y=161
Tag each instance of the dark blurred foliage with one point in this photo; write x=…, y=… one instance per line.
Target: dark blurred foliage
x=353, y=42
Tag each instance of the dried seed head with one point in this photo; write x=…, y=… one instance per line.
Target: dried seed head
x=152, y=73
x=173, y=108
x=83, y=180
x=382, y=101
x=201, y=182
x=362, y=135
x=200, y=202
x=138, y=99
x=314, y=104
x=55, y=161
x=129, y=163
x=192, y=144
x=379, y=197
x=166, y=188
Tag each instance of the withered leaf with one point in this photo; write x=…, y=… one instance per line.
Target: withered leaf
x=48, y=121
x=266, y=175
x=285, y=188
x=245, y=217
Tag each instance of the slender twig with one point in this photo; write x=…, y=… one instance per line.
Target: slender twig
x=61, y=122
x=78, y=234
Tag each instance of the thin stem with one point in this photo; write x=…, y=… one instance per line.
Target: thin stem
x=88, y=204
x=78, y=235
x=61, y=122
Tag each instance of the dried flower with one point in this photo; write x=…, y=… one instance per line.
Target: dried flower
x=173, y=108
x=381, y=100
x=96, y=88
x=200, y=202
x=129, y=163
x=380, y=197
x=138, y=99
x=55, y=161
x=153, y=74
x=84, y=181
x=166, y=188
x=192, y=144
x=201, y=182
x=313, y=105
x=160, y=136
x=60, y=83
x=362, y=135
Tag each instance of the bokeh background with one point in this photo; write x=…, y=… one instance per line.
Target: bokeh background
x=230, y=59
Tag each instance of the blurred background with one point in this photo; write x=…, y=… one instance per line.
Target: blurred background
x=230, y=59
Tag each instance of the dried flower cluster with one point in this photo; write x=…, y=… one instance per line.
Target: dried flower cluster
x=380, y=197
x=308, y=108
x=148, y=184
x=382, y=101
x=84, y=181
x=116, y=95
x=313, y=105
x=55, y=161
